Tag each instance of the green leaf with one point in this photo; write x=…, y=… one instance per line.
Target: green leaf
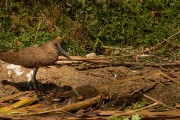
x=135, y=117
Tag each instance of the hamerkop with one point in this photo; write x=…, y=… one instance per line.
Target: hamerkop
x=35, y=57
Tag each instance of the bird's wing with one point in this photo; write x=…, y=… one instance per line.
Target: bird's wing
x=30, y=57
x=10, y=57
x=24, y=57
x=36, y=57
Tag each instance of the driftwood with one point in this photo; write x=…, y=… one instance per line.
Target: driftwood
x=104, y=60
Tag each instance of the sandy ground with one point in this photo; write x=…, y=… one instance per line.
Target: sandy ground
x=102, y=80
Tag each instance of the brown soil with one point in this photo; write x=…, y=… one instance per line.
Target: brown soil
x=107, y=80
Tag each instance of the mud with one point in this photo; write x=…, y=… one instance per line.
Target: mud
x=91, y=82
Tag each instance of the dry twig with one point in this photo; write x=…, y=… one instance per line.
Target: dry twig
x=13, y=96
x=78, y=59
x=114, y=113
x=165, y=40
x=69, y=107
x=156, y=101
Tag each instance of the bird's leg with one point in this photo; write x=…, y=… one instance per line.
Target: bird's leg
x=30, y=77
x=35, y=84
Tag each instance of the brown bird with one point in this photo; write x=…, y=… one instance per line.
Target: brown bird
x=35, y=57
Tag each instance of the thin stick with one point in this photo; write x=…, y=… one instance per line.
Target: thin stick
x=165, y=40
x=170, y=78
x=153, y=99
x=13, y=96
x=173, y=43
x=132, y=111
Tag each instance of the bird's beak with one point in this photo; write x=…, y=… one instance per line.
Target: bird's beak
x=64, y=53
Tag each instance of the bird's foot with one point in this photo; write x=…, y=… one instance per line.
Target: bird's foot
x=37, y=87
x=39, y=97
x=39, y=92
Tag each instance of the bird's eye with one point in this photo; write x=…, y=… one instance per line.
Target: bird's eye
x=56, y=44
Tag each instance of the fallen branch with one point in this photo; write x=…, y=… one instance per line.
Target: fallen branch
x=68, y=62
x=103, y=60
x=70, y=107
x=82, y=58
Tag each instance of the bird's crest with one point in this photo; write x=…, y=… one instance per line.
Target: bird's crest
x=57, y=38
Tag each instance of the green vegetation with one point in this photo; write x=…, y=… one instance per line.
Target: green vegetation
x=117, y=118
x=137, y=105
x=87, y=25
x=163, y=108
x=133, y=117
